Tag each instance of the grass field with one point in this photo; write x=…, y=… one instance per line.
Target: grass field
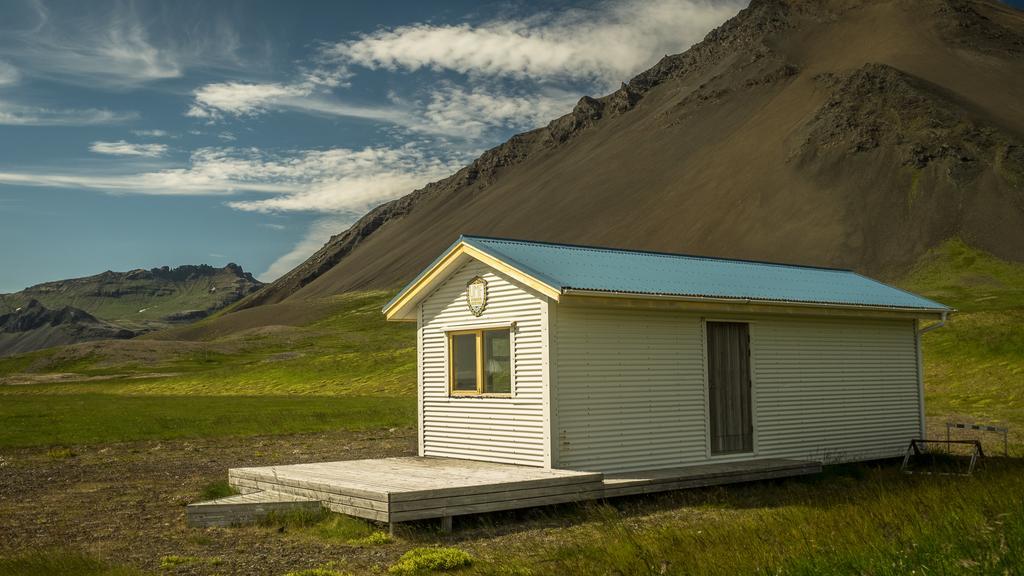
x=90, y=418
x=344, y=368
x=852, y=520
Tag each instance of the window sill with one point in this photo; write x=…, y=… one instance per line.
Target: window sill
x=475, y=395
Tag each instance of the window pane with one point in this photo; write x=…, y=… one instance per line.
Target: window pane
x=464, y=362
x=497, y=362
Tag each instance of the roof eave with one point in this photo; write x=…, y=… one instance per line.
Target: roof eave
x=895, y=310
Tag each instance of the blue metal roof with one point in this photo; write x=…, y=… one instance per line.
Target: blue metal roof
x=567, y=267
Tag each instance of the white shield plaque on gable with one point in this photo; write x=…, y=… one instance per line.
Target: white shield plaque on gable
x=476, y=295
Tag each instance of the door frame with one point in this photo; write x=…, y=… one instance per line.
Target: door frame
x=751, y=323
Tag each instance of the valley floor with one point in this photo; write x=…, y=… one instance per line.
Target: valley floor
x=123, y=504
x=102, y=445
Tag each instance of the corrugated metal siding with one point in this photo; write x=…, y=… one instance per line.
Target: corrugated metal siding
x=629, y=392
x=835, y=390
x=509, y=430
x=630, y=388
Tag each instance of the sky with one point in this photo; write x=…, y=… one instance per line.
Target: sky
x=144, y=134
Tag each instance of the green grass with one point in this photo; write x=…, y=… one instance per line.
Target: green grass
x=873, y=521
x=173, y=561
x=60, y=563
x=974, y=367
x=350, y=350
x=969, y=279
x=347, y=369
x=219, y=489
x=34, y=419
x=328, y=527
x=428, y=560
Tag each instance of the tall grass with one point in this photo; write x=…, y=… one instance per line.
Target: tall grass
x=876, y=522
x=327, y=526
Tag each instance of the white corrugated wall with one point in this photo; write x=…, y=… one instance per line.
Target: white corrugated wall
x=835, y=390
x=509, y=430
x=630, y=388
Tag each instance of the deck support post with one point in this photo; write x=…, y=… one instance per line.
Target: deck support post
x=446, y=524
x=391, y=528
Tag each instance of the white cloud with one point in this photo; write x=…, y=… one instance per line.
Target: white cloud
x=210, y=172
x=122, y=148
x=450, y=110
x=13, y=114
x=550, y=56
x=317, y=235
x=9, y=75
x=241, y=99
x=273, y=226
x=150, y=133
x=457, y=111
x=607, y=43
x=119, y=47
x=338, y=180
x=350, y=181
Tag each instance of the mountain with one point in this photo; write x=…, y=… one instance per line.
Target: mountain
x=33, y=326
x=850, y=133
x=117, y=304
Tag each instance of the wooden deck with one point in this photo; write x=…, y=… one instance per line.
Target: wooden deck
x=412, y=488
x=402, y=489
x=716, y=474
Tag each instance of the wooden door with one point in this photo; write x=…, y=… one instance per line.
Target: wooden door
x=729, y=398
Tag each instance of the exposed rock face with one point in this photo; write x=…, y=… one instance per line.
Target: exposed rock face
x=33, y=326
x=852, y=133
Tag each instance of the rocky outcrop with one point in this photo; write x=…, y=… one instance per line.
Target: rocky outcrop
x=33, y=326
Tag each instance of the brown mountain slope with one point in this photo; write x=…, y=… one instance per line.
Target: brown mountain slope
x=854, y=133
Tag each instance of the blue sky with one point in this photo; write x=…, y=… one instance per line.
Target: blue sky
x=164, y=133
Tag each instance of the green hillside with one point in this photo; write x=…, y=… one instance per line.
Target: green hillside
x=974, y=367
x=141, y=299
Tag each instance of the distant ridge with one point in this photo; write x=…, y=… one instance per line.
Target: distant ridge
x=117, y=304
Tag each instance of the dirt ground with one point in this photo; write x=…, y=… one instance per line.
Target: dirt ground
x=125, y=502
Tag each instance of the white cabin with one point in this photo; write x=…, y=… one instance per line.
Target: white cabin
x=604, y=360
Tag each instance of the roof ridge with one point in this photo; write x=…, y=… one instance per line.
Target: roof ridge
x=656, y=253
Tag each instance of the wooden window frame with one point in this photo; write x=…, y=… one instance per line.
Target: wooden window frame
x=480, y=376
